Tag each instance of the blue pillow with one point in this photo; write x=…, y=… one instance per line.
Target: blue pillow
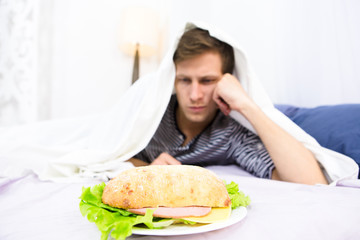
x=336, y=127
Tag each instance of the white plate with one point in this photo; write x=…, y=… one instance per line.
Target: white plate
x=182, y=229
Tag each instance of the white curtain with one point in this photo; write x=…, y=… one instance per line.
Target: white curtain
x=18, y=61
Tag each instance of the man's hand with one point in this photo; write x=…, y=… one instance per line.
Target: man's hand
x=165, y=159
x=230, y=95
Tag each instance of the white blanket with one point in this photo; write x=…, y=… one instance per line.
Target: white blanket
x=98, y=146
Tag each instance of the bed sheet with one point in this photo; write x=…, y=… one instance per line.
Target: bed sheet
x=34, y=209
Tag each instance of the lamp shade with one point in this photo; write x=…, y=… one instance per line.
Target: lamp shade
x=139, y=26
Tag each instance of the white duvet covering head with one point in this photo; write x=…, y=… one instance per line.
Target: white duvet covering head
x=98, y=147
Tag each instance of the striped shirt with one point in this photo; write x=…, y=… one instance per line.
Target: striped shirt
x=223, y=142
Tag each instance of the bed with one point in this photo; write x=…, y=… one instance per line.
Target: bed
x=35, y=209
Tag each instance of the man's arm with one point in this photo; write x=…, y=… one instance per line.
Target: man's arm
x=293, y=162
x=137, y=162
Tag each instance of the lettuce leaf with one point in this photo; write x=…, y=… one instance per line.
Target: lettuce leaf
x=119, y=222
x=237, y=197
x=110, y=220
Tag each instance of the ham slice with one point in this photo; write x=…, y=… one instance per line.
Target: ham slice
x=174, y=212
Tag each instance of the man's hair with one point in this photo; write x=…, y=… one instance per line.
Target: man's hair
x=197, y=41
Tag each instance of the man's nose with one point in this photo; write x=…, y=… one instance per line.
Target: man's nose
x=196, y=91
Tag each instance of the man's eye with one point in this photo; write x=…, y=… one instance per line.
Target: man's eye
x=207, y=81
x=185, y=80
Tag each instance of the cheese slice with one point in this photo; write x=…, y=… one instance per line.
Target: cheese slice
x=216, y=215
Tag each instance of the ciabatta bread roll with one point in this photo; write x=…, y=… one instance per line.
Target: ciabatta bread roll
x=166, y=186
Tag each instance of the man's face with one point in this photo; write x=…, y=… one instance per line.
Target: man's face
x=195, y=82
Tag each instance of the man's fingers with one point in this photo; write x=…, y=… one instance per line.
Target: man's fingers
x=223, y=106
x=176, y=162
x=170, y=160
x=165, y=159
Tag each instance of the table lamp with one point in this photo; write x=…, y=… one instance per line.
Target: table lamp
x=139, y=34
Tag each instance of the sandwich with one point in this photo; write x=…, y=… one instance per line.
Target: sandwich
x=157, y=196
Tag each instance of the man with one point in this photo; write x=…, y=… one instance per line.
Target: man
x=194, y=131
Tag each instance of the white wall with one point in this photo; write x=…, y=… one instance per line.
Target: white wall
x=90, y=72
x=305, y=53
